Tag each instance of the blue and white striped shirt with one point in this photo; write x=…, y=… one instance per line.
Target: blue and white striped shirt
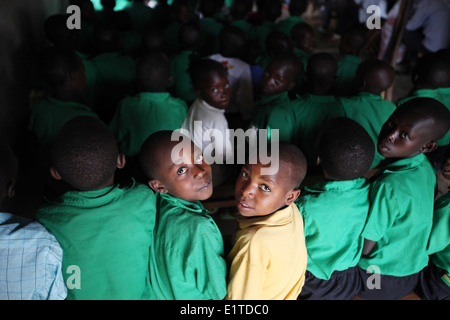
x=30, y=261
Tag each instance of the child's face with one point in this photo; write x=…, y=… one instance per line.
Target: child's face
x=446, y=168
x=187, y=177
x=216, y=90
x=405, y=136
x=277, y=78
x=260, y=195
x=307, y=42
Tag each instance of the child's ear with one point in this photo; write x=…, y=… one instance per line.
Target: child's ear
x=292, y=196
x=429, y=147
x=54, y=173
x=157, y=186
x=10, y=189
x=121, y=161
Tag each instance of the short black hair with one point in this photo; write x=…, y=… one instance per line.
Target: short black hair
x=54, y=64
x=85, y=153
x=201, y=69
x=345, y=149
x=353, y=40
x=428, y=108
x=293, y=161
x=190, y=36
x=431, y=71
x=300, y=29
x=153, y=72
x=377, y=75
x=232, y=41
x=153, y=151
x=321, y=69
x=297, y=7
x=291, y=60
x=278, y=43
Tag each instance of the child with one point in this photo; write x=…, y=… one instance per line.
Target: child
x=232, y=42
x=30, y=256
x=271, y=11
x=402, y=196
x=210, y=26
x=274, y=110
x=152, y=109
x=368, y=108
x=181, y=13
x=187, y=260
x=443, y=175
x=62, y=72
x=350, y=45
x=115, y=71
x=296, y=9
x=239, y=13
x=303, y=38
x=103, y=228
x=210, y=82
x=318, y=105
x=268, y=259
x=190, y=40
x=335, y=211
x=434, y=280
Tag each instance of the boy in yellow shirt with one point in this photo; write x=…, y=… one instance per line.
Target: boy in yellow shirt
x=268, y=260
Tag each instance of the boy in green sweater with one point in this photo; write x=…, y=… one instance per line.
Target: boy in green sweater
x=187, y=262
x=150, y=110
x=368, y=108
x=274, y=110
x=104, y=229
x=335, y=211
x=402, y=195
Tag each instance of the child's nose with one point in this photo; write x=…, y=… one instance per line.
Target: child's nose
x=199, y=172
x=248, y=190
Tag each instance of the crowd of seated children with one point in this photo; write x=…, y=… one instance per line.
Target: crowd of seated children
x=118, y=90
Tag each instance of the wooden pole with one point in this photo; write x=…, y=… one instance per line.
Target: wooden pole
x=396, y=39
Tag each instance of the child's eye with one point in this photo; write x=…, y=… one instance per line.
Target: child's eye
x=265, y=188
x=404, y=135
x=244, y=174
x=182, y=170
x=214, y=90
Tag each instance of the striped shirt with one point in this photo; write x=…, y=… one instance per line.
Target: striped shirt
x=30, y=261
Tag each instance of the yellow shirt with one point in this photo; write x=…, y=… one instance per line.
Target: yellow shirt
x=268, y=260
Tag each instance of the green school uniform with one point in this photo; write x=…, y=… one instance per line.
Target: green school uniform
x=211, y=29
x=334, y=213
x=187, y=262
x=371, y=111
x=439, y=243
x=138, y=116
x=347, y=66
x=50, y=114
x=303, y=56
x=400, y=217
x=260, y=33
x=106, y=235
x=311, y=113
x=275, y=112
x=181, y=81
x=286, y=25
x=243, y=24
x=441, y=95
